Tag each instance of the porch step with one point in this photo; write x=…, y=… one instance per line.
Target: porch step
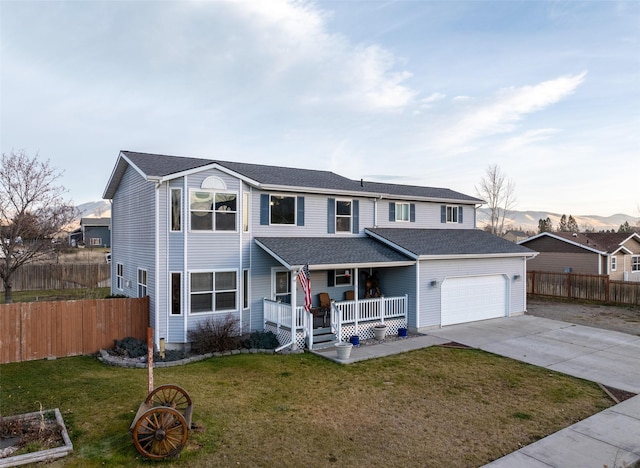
x=323, y=338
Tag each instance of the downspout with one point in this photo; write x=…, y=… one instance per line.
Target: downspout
x=156, y=267
x=184, y=297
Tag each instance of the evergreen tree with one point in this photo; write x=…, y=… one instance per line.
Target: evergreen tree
x=563, y=224
x=572, y=225
x=545, y=225
x=625, y=227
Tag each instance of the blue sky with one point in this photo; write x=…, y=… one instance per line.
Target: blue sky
x=416, y=92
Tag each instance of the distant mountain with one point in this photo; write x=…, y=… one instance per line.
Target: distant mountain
x=96, y=209
x=528, y=220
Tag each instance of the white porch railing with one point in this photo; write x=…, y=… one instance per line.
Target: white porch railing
x=347, y=317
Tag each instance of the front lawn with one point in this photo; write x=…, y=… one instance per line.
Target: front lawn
x=432, y=407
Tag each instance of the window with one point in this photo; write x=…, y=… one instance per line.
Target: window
x=635, y=263
x=213, y=211
x=176, y=210
x=176, y=293
x=343, y=215
x=119, y=275
x=213, y=292
x=283, y=209
x=402, y=212
x=245, y=289
x=452, y=214
x=142, y=283
x=283, y=287
x=95, y=241
x=245, y=212
x=614, y=263
x=343, y=277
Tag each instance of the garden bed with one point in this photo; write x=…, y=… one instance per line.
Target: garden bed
x=33, y=437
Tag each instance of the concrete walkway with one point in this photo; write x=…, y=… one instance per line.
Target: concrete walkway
x=610, y=438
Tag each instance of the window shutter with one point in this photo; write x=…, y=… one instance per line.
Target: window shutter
x=300, y=214
x=443, y=214
x=331, y=278
x=412, y=212
x=460, y=214
x=331, y=215
x=392, y=211
x=264, y=208
x=355, y=227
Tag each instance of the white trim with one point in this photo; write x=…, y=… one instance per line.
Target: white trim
x=213, y=212
x=139, y=284
x=157, y=267
x=336, y=216
x=170, y=296
x=613, y=263
x=295, y=209
x=186, y=297
x=408, y=205
x=213, y=291
x=170, y=210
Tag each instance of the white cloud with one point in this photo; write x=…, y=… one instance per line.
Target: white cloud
x=502, y=113
x=526, y=139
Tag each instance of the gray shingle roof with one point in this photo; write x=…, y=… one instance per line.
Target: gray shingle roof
x=160, y=165
x=418, y=191
x=347, y=251
x=448, y=242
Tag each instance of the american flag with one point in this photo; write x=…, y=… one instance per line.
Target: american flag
x=305, y=281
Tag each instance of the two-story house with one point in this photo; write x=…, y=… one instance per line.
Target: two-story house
x=206, y=238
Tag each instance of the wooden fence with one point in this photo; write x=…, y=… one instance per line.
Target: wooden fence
x=586, y=287
x=31, y=277
x=37, y=330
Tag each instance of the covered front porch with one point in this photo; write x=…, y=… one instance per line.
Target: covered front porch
x=295, y=326
x=355, y=283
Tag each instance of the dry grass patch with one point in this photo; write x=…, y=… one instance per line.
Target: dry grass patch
x=432, y=407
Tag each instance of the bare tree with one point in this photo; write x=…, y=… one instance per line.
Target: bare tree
x=498, y=192
x=32, y=211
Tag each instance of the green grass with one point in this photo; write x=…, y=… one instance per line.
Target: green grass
x=58, y=294
x=431, y=407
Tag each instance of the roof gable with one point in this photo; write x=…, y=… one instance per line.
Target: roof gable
x=598, y=242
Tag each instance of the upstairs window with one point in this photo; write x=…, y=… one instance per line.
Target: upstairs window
x=635, y=263
x=614, y=263
x=282, y=209
x=213, y=211
x=402, y=212
x=343, y=215
x=176, y=210
x=451, y=214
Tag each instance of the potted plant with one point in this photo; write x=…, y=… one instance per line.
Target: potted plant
x=379, y=331
x=344, y=350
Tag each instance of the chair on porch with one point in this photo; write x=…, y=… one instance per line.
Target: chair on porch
x=325, y=306
x=349, y=295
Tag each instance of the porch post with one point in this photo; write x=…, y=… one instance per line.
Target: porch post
x=356, y=291
x=294, y=311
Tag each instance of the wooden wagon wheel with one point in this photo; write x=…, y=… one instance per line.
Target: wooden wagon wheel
x=169, y=395
x=160, y=432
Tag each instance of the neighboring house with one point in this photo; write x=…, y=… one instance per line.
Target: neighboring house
x=93, y=232
x=515, y=236
x=207, y=238
x=597, y=253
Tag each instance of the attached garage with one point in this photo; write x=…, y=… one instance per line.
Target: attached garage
x=471, y=298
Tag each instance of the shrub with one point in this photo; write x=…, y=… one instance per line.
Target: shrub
x=131, y=347
x=261, y=340
x=215, y=335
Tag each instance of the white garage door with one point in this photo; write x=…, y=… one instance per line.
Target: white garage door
x=471, y=298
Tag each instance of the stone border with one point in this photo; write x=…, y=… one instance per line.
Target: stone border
x=105, y=357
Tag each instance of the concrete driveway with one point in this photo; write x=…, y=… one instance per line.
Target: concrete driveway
x=607, y=357
x=610, y=438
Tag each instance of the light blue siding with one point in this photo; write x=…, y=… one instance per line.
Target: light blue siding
x=427, y=216
x=430, y=270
